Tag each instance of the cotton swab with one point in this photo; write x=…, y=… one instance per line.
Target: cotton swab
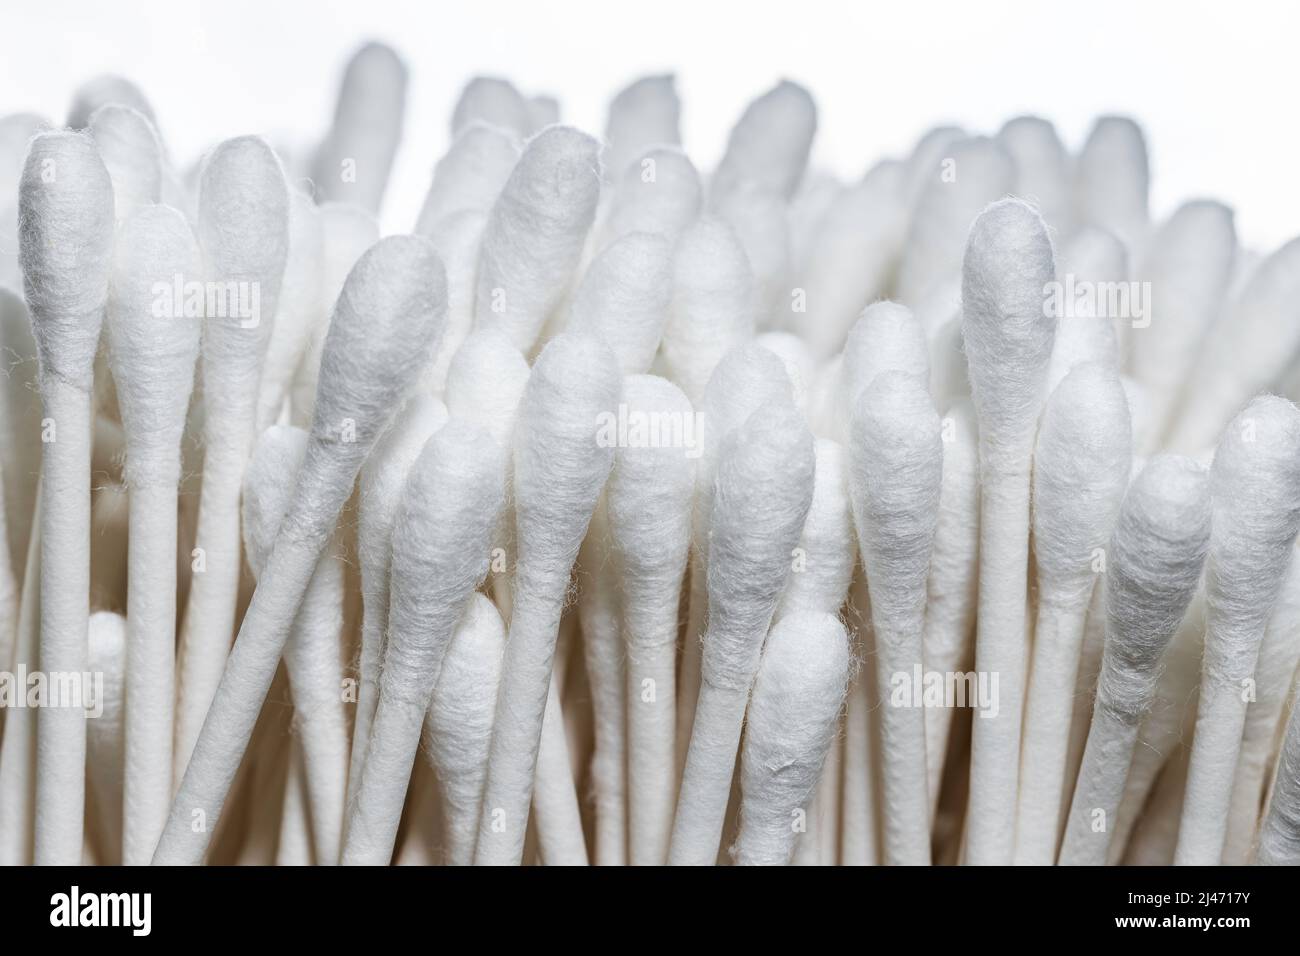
x=649, y=500
x=354, y=162
x=853, y=256
x=470, y=176
x=758, y=218
x=459, y=725
x=763, y=491
x=441, y=552
x=385, y=328
x=18, y=756
x=624, y=298
x=1008, y=334
x=105, y=734
x=383, y=479
x=299, y=308
x=660, y=193
x=65, y=246
x=952, y=588
x=243, y=232
x=1188, y=263
x=104, y=90
x=492, y=100
x=131, y=153
x=1112, y=180
x=1042, y=169
x=1246, y=350
x=1279, y=839
x=927, y=160
x=1091, y=259
x=1081, y=470
x=1255, y=490
x=976, y=172
x=797, y=698
x=769, y=146
x=823, y=563
x=1156, y=555
x=896, y=457
x=153, y=360
x=1279, y=653
x=312, y=653
x=550, y=198
x=20, y=425
x=559, y=471
x=644, y=114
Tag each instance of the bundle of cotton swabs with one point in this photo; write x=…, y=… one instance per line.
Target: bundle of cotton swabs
x=622, y=514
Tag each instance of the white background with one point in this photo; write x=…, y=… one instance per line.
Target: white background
x=1214, y=84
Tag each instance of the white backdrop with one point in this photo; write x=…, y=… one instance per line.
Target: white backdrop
x=1214, y=84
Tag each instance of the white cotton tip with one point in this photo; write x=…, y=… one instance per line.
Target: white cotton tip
x=762, y=494
x=1247, y=350
x=536, y=231
x=1255, y=486
x=354, y=162
x=131, y=152
x=486, y=382
x=925, y=165
x=748, y=377
x=106, y=90
x=1140, y=414
x=1042, y=169
x=759, y=219
x=659, y=193
x=1156, y=555
x=650, y=489
x=243, y=230
x=441, y=550
x=823, y=564
x=152, y=355
x=458, y=239
x=714, y=302
x=769, y=145
x=1081, y=470
x=347, y=231
x=790, y=724
x=976, y=172
x=1112, y=180
x=16, y=132
x=459, y=725
x=1189, y=264
x=493, y=101
x=624, y=298
x=65, y=245
x=896, y=471
x=800, y=367
x=386, y=326
x=268, y=490
x=644, y=114
x=560, y=466
x=383, y=477
x=543, y=110
x=1091, y=262
x=853, y=256
x=1279, y=838
x=1007, y=336
x=886, y=337
x=298, y=309
x=471, y=175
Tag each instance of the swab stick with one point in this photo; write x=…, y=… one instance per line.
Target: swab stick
x=356, y=158
x=383, y=479
x=762, y=493
x=1008, y=335
x=441, y=552
x=895, y=473
x=1279, y=839
x=311, y=655
x=153, y=361
x=105, y=733
x=649, y=500
x=65, y=245
x=243, y=232
x=791, y=722
x=1081, y=469
x=559, y=471
x=952, y=588
x=459, y=726
x=1156, y=556
x=385, y=328
x=1255, y=491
